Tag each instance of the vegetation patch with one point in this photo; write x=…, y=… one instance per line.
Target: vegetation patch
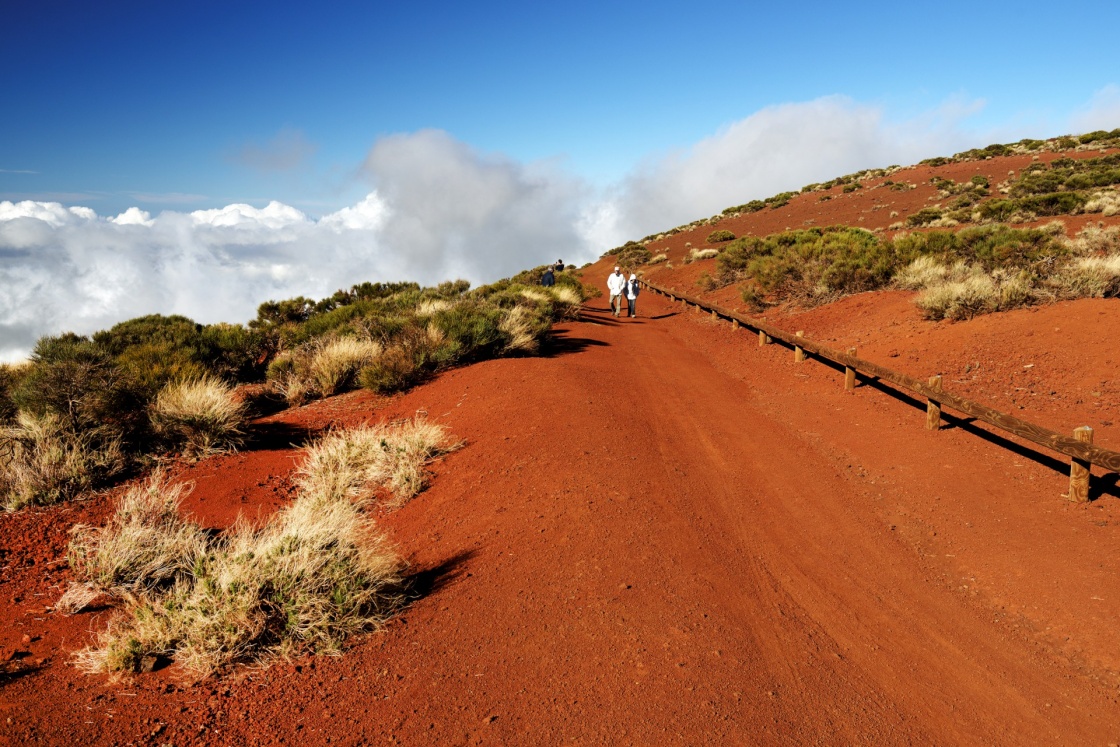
x=318, y=572
x=720, y=235
x=199, y=416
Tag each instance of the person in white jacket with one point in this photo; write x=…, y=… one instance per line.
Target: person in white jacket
x=616, y=286
x=632, y=294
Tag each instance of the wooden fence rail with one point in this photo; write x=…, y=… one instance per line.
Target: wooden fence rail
x=1079, y=447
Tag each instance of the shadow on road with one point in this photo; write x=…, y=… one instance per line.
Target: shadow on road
x=1099, y=486
x=558, y=344
x=429, y=581
x=276, y=436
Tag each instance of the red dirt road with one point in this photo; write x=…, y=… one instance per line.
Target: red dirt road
x=657, y=534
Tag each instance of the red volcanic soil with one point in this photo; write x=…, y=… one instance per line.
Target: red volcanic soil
x=660, y=533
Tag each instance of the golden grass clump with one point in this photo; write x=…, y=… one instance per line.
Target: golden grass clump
x=1094, y=240
x=334, y=367
x=968, y=293
x=42, y=461
x=344, y=465
x=1106, y=203
x=1089, y=277
x=201, y=415
x=923, y=272
x=567, y=295
x=432, y=306
x=144, y=544
x=657, y=258
x=535, y=295
x=517, y=325
x=316, y=573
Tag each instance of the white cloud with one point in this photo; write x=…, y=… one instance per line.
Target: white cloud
x=441, y=211
x=1102, y=112
x=780, y=148
x=438, y=210
x=474, y=215
x=134, y=216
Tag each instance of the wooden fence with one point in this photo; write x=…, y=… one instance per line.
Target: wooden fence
x=1079, y=447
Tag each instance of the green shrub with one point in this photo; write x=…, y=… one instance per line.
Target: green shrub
x=707, y=282
x=633, y=256
x=752, y=298
x=780, y=200
x=923, y=217
x=980, y=181
x=849, y=188
x=10, y=377
x=809, y=265
x=156, y=350
x=470, y=330
x=74, y=378
x=719, y=235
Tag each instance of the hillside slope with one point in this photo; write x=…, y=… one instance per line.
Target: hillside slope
x=655, y=533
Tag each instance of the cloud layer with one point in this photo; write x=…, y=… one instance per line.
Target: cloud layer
x=438, y=209
x=781, y=148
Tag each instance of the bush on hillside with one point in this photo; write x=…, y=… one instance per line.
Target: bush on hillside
x=10, y=378
x=810, y=265
x=720, y=235
x=76, y=380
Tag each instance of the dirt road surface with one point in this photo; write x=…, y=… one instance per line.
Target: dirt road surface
x=658, y=533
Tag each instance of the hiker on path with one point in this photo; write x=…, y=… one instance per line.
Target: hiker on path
x=559, y=265
x=548, y=279
x=616, y=285
x=632, y=294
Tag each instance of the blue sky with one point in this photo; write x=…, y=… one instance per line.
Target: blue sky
x=199, y=158
x=127, y=101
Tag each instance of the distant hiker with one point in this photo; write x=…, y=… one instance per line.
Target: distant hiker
x=632, y=294
x=616, y=285
x=559, y=265
x=548, y=279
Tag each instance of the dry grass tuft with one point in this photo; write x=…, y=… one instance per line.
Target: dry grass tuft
x=432, y=306
x=1106, y=203
x=346, y=464
x=968, y=291
x=922, y=273
x=202, y=415
x=144, y=544
x=1089, y=277
x=657, y=258
x=537, y=296
x=42, y=461
x=318, y=572
x=517, y=325
x=334, y=367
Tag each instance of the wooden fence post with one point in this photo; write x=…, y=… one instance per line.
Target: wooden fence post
x=763, y=338
x=933, y=409
x=715, y=316
x=850, y=374
x=734, y=324
x=798, y=353
x=1079, y=469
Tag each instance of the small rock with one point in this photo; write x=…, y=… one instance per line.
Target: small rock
x=26, y=639
x=148, y=663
